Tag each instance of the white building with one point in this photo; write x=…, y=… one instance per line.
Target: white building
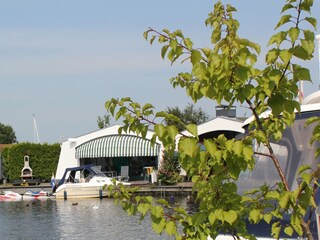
x=125, y=154
x=129, y=155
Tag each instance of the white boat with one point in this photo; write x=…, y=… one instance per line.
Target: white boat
x=293, y=150
x=35, y=195
x=85, y=181
x=10, y=196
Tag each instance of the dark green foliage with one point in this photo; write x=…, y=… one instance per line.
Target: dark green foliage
x=188, y=115
x=169, y=171
x=7, y=135
x=43, y=160
x=103, y=121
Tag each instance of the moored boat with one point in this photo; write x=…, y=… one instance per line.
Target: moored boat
x=35, y=194
x=85, y=181
x=10, y=196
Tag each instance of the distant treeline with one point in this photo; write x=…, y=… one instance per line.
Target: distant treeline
x=43, y=160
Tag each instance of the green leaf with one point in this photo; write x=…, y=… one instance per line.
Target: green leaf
x=206, y=51
x=192, y=128
x=200, y=70
x=286, y=7
x=284, y=200
x=308, y=46
x=156, y=211
x=242, y=73
x=172, y=131
x=188, y=146
x=308, y=35
x=302, y=74
x=162, y=114
x=230, y=216
x=147, y=106
x=267, y=218
x=275, y=230
x=160, y=130
x=294, y=33
x=188, y=43
x=212, y=218
x=307, y=177
x=164, y=50
x=210, y=146
x=218, y=214
x=275, y=75
x=272, y=195
x=158, y=225
x=300, y=52
x=285, y=56
x=237, y=148
x=303, y=168
x=275, y=102
x=195, y=56
x=284, y=19
x=255, y=215
x=306, y=5
x=145, y=34
x=199, y=218
x=248, y=152
x=272, y=56
x=288, y=230
x=277, y=38
x=312, y=120
x=295, y=222
x=312, y=21
x=143, y=208
x=171, y=228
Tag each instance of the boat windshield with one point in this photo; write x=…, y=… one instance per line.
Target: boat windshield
x=97, y=171
x=81, y=174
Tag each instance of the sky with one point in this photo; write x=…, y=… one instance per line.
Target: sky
x=60, y=61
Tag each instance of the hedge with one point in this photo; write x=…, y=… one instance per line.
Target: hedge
x=43, y=160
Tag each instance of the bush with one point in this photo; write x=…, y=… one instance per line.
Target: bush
x=43, y=160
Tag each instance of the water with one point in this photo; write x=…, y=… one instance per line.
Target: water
x=58, y=219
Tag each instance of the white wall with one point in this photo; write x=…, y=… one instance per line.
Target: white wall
x=68, y=148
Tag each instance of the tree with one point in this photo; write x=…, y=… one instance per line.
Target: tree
x=7, y=135
x=104, y=121
x=188, y=115
x=227, y=72
x=169, y=171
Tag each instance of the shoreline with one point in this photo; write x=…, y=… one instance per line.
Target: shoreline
x=145, y=188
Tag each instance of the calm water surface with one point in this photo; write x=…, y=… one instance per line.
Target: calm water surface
x=59, y=219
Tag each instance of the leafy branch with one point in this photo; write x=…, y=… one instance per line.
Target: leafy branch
x=226, y=72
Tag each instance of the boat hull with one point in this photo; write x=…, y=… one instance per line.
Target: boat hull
x=75, y=190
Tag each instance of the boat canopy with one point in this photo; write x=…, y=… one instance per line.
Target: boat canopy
x=87, y=169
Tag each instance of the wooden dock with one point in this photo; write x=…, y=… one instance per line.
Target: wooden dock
x=145, y=188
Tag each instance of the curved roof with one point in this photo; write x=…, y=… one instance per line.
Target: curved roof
x=221, y=124
x=117, y=146
x=312, y=98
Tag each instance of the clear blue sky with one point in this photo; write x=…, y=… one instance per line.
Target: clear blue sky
x=61, y=60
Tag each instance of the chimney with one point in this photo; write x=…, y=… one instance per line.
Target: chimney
x=226, y=111
x=26, y=171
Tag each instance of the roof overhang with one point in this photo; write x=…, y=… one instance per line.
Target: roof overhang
x=117, y=146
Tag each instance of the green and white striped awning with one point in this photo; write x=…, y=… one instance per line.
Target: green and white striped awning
x=117, y=146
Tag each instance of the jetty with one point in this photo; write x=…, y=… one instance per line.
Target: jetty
x=145, y=188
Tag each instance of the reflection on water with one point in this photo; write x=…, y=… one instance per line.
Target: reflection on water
x=58, y=219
